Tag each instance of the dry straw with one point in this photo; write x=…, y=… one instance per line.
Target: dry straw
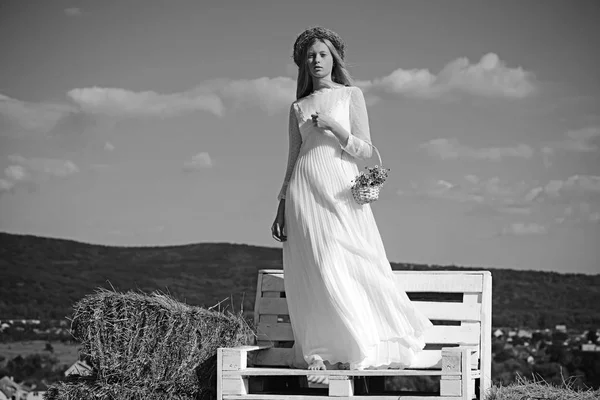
x=80, y=390
x=150, y=344
x=538, y=389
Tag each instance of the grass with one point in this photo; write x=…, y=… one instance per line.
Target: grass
x=66, y=353
x=523, y=389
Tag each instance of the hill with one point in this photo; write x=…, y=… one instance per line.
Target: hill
x=42, y=277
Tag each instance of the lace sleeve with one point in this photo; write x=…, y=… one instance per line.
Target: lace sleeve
x=359, y=141
x=295, y=141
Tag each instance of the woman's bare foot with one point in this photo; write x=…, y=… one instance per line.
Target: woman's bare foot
x=317, y=364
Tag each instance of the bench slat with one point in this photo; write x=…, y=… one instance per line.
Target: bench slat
x=431, y=309
x=409, y=281
x=438, y=334
x=263, y=396
x=417, y=281
x=280, y=357
x=337, y=372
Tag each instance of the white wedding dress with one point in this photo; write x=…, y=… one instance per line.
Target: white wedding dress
x=344, y=305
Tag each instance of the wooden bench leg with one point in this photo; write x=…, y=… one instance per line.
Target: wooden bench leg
x=341, y=386
x=457, y=359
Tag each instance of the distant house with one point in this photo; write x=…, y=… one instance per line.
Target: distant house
x=560, y=328
x=524, y=333
x=589, y=347
x=79, y=368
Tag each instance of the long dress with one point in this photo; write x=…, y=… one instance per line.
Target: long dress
x=344, y=305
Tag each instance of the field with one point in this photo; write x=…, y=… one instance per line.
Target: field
x=66, y=353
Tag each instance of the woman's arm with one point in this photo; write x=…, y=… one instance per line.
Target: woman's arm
x=295, y=141
x=357, y=141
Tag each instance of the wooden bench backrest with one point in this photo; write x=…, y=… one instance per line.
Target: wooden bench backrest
x=458, y=303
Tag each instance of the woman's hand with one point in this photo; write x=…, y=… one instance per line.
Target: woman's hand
x=323, y=121
x=278, y=227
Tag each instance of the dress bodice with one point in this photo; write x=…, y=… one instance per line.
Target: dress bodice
x=334, y=102
x=347, y=106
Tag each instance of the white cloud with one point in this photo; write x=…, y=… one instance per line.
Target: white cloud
x=451, y=149
x=16, y=173
x=45, y=166
x=488, y=196
x=444, y=190
x=73, y=12
x=5, y=185
x=584, y=140
x=489, y=77
x=579, y=213
x=578, y=198
x=36, y=117
x=108, y=146
x=199, y=161
x=521, y=229
x=29, y=172
x=574, y=188
x=216, y=97
x=126, y=103
x=269, y=94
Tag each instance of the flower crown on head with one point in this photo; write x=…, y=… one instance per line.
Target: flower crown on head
x=309, y=35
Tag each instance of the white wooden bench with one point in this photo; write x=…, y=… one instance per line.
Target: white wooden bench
x=459, y=354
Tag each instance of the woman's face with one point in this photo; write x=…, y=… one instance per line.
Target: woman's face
x=319, y=60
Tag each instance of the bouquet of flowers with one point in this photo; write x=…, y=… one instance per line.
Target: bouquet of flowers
x=366, y=185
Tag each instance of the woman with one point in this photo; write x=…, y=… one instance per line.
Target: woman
x=343, y=303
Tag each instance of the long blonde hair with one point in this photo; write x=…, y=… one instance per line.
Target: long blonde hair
x=339, y=73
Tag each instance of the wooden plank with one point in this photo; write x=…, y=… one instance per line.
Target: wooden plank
x=337, y=372
x=219, y=373
x=268, y=318
x=431, y=272
x=341, y=386
x=273, y=283
x=451, y=387
x=234, y=385
x=431, y=309
x=467, y=385
x=258, y=296
x=233, y=359
x=410, y=281
x=261, y=396
x=274, y=357
x=443, y=283
x=283, y=356
x=276, y=306
x=486, y=335
x=442, y=334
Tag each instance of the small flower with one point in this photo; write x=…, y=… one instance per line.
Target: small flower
x=375, y=176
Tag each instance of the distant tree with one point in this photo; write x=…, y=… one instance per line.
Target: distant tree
x=497, y=346
x=49, y=347
x=592, y=336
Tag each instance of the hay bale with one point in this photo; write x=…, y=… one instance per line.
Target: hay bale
x=154, y=342
x=97, y=390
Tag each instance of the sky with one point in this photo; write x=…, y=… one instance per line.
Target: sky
x=162, y=122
